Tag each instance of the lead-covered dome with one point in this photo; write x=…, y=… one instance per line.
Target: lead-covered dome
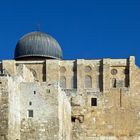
x=37, y=45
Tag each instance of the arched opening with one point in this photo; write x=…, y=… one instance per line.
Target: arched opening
x=62, y=82
x=62, y=69
x=88, y=81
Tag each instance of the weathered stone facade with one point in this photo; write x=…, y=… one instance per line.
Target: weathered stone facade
x=70, y=100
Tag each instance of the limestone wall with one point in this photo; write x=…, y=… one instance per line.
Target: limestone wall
x=91, y=68
x=36, y=67
x=9, y=66
x=68, y=69
x=44, y=106
x=64, y=113
x=51, y=113
x=74, y=72
x=4, y=106
x=9, y=107
x=33, y=106
x=25, y=73
x=52, y=71
x=14, y=95
x=116, y=114
x=14, y=107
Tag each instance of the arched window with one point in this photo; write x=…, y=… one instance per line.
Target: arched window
x=74, y=82
x=62, y=69
x=88, y=81
x=62, y=82
x=114, y=83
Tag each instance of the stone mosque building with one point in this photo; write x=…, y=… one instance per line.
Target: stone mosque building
x=43, y=97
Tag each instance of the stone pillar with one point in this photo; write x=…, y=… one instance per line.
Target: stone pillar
x=106, y=75
x=80, y=74
x=52, y=71
x=69, y=77
x=131, y=72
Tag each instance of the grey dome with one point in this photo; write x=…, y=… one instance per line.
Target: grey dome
x=38, y=45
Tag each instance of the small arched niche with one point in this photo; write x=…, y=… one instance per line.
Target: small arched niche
x=62, y=69
x=88, y=81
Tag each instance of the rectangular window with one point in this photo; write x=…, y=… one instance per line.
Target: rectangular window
x=114, y=83
x=30, y=113
x=30, y=103
x=93, y=101
x=73, y=119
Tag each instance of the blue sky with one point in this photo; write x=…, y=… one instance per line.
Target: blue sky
x=86, y=29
